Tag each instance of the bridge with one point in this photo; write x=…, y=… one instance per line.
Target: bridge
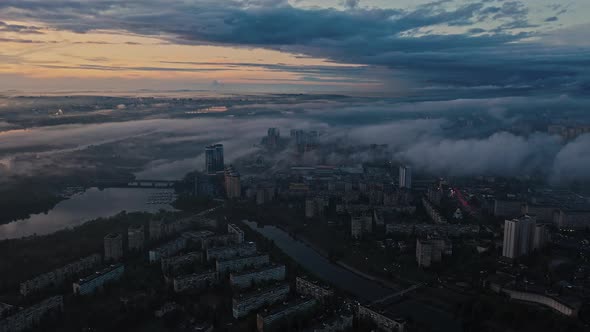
x=151, y=184
x=137, y=183
x=401, y=293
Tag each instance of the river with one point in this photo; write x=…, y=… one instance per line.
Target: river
x=91, y=204
x=364, y=289
x=311, y=260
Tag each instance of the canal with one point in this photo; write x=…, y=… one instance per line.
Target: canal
x=311, y=260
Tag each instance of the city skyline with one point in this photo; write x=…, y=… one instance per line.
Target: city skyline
x=295, y=165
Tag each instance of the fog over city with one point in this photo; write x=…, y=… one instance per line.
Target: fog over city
x=295, y=165
x=424, y=133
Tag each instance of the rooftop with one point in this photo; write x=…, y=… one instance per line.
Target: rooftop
x=258, y=269
x=99, y=273
x=242, y=257
x=260, y=291
x=112, y=236
x=285, y=305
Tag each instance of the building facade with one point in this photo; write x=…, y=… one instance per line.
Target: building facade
x=433, y=212
x=214, y=158
x=243, y=304
x=267, y=319
x=312, y=289
x=360, y=224
x=59, y=275
x=217, y=240
x=336, y=323
x=405, y=177
x=381, y=319
x=156, y=229
x=32, y=316
x=572, y=219
x=240, y=263
x=238, y=233
x=246, y=278
x=174, y=265
x=518, y=237
x=195, y=281
x=431, y=251
x=168, y=249
x=507, y=208
x=136, y=238
x=233, y=187
x=96, y=281
x=113, y=247
x=223, y=253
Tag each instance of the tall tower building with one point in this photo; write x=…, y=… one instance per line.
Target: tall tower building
x=405, y=177
x=541, y=237
x=519, y=235
x=233, y=188
x=272, y=139
x=136, y=237
x=113, y=247
x=214, y=158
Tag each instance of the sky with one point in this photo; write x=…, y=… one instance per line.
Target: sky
x=392, y=47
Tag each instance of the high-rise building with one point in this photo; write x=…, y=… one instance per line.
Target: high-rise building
x=305, y=140
x=136, y=237
x=541, y=237
x=234, y=229
x=113, y=247
x=310, y=208
x=214, y=158
x=156, y=227
x=272, y=139
x=233, y=189
x=405, y=177
x=431, y=250
x=427, y=252
x=361, y=224
x=519, y=235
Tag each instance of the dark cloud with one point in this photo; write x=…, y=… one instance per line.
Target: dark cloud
x=351, y=4
x=551, y=19
x=573, y=161
x=129, y=68
x=394, y=38
x=23, y=29
x=21, y=41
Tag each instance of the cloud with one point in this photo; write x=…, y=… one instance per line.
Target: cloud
x=501, y=154
x=130, y=68
x=573, y=161
x=551, y=19
x=351, y=4
x=411, y=42
x=422, y=133
x=22, y=29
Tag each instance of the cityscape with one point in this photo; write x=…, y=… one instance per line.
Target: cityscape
x=314, y=166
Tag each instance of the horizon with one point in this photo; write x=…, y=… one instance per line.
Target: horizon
x=266, y=46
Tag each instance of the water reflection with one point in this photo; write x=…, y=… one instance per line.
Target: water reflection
x=320, y=266
x=93, y=203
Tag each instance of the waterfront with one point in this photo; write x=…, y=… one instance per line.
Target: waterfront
x=88, y=205
x=311, y=260
x=361, y=287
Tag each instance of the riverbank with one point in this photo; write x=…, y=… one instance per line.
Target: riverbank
x=340, y=263
x=91, y=204
x=21, y=259
x=360, y=287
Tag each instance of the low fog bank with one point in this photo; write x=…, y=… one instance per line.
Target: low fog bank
x=500, y=136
